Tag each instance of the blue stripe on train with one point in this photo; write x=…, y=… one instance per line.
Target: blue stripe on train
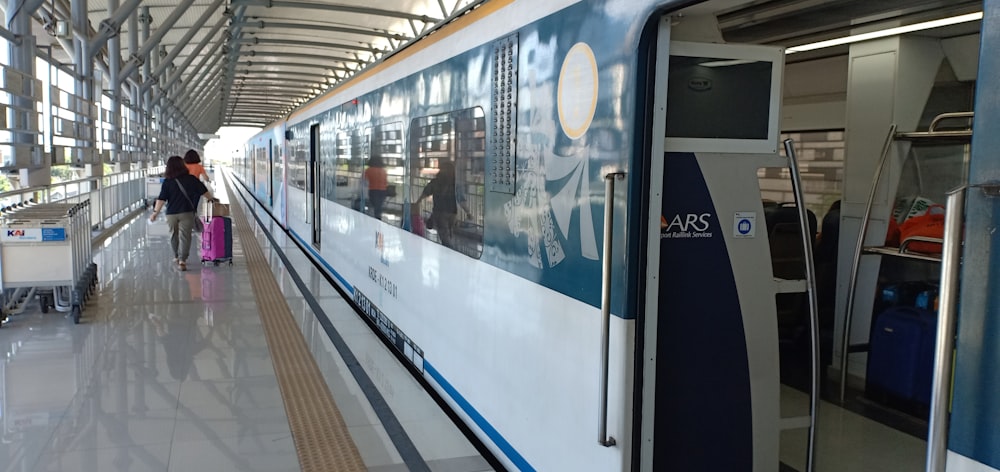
x=319, y=258
x=491, y=432
x=464, y=404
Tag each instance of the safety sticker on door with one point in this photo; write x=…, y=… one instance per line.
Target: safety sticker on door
x=745, y=224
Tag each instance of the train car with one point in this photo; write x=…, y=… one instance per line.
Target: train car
x=263, y=168
x=554, y=212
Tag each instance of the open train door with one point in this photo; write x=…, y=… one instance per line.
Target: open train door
x=711, y=390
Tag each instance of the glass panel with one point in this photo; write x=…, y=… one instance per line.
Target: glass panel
x=387, y=155
x=821, y=158
x=447, y=176
x=352, y=154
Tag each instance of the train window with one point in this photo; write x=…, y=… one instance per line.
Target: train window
x=387, y=151
x=328, y=164
x=298, y=160
x=352, y=153
x=447, y=176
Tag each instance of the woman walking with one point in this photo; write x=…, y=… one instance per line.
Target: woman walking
x=193, y=163
x=180, y=193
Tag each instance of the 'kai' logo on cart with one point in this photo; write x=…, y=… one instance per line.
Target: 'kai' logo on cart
x=16, y=233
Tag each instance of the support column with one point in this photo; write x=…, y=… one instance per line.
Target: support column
x=147, y=107
x=114, y=67
x=22, y=59
x=889, y=82
x=135, y=117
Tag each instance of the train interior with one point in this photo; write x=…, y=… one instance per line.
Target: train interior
x=878, y=103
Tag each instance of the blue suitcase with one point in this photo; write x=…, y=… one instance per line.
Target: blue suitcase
x=901, y=359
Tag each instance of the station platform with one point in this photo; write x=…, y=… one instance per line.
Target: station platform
x=262, y=365
x=256, y=366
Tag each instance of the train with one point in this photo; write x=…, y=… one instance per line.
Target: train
x=596, y=289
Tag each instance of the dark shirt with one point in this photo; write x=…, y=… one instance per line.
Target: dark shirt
x=442, y=189
x=170, y=192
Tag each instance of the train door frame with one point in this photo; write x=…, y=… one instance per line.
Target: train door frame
x=252, y=171
x=711, y=335
x=270, y=174
x=313, y=195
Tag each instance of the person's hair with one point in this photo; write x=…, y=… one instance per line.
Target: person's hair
x=192, y=157
x=447, y=168
x=175, y=168
x=376, y=161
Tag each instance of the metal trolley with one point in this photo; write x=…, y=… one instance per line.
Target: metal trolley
x=45, y=249
x=153, y=185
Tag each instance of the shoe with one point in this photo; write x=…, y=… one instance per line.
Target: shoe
x=182, y=266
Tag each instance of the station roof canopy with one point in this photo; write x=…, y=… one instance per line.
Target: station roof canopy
x=246, y=62
x=250, y=62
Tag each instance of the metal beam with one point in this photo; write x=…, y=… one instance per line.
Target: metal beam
x=154, y=40
x=265, y=80
x=272, y=105
x=295, y=92
x=337, y=7
x=194, y=98
x=232, y=54
x=211, y=55
x=194, y=29
x=197, y=50
x=197, y=102
x=282, y=74
x=111, y=26
x=325, y=27
x=315, y=57
x=200, y=82
x=315, y=44
x=304, y=65
x=6, y=34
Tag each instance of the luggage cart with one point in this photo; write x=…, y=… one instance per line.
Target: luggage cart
x=46, y=248
x=153, y=185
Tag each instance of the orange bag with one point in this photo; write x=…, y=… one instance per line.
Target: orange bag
x=929, y=225
x=892, y=233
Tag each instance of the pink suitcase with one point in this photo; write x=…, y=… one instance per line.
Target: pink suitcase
x=217, y=240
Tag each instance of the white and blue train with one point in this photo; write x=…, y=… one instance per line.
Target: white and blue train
x=605, y=298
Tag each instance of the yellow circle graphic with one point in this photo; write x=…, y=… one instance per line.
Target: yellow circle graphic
x=577, y=93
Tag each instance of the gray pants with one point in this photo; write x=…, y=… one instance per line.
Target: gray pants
x=181, y=226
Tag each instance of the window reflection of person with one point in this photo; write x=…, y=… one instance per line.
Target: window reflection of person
x=441, y=189
x=377, y=182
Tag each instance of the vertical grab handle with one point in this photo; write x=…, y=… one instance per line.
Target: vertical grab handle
x=807, y=251
x=609, y=219
x=951, y=257
x=852, y=283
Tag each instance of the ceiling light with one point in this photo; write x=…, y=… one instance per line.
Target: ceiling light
x=887, y=32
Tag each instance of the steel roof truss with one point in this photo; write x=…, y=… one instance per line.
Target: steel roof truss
x=315, y=57
x=338, y=7
x=316, y=44
x=188, y=36
x=201, y=46
x=261, y=24
x=305, y=65
x=156, y=37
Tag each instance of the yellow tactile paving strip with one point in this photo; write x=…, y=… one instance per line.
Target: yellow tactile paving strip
x=321, y=438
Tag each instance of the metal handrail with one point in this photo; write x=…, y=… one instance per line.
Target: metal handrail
x=948, y=116
x=951, y=261
x=609, y=218
x=807, y=251
x=852, y=284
